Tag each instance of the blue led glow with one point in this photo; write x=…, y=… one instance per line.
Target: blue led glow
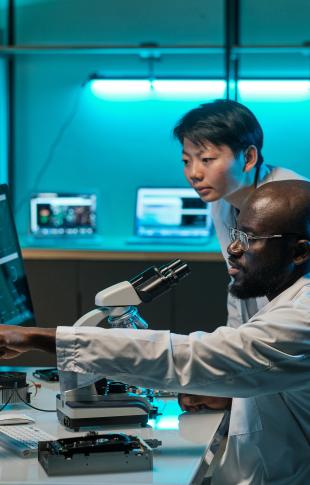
x=121, y=88
x=164, y=422
x=190, y=88
x=157, y=89
x=274, y=90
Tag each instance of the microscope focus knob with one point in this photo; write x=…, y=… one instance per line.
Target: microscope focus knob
x=115, y=387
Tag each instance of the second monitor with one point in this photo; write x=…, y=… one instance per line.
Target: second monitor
x=171, y=212
x=53, y=214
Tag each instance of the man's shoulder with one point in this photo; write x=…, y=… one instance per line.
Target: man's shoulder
x=272, y=173
x=302, y=297
x=294, y=298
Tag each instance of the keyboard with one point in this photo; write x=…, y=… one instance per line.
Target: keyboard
x=23, y=439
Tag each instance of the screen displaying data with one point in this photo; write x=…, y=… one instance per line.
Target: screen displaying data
x=171, y=212
x=53, y=214
x=15, y=302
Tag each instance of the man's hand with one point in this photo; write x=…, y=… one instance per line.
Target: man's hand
x=194, y=403
x=15, y=340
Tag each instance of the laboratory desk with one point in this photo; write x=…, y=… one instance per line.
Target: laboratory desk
x=181, y=460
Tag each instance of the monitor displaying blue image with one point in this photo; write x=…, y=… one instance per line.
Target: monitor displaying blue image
x=171, y=212
x=53, y=214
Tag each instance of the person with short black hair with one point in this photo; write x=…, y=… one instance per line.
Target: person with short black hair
x=222, y=152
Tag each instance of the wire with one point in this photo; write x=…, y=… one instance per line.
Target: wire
x=34, y=407
x=36, y=385
x=14, y=391
x=50, y=155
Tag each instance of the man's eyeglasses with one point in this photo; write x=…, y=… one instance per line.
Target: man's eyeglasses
x=244, y=238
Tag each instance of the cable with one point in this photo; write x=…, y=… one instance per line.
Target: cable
x=25, y=402
x=34, y=407
x=50, y=155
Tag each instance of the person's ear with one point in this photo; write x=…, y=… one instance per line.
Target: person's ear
x=302, y=251
x=250, y=158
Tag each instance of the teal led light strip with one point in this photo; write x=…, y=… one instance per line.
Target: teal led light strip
x=161, y=88
x=275, y=89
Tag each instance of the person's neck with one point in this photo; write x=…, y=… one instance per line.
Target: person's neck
x=237, y=197
x=302, y=271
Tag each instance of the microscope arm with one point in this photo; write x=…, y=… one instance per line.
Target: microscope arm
x=93, y=318
x=114, y=300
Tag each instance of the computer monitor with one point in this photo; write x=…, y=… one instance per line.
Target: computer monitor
x=171, y=212
x=53, y=214
x=15, y=302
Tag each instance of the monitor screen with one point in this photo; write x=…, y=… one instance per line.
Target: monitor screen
x=171, y=212
x=15, y=302
x=53, y=214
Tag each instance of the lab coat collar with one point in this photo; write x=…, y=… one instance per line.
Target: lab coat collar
x=286, y=295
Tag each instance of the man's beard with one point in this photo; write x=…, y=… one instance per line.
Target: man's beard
x=256, y=282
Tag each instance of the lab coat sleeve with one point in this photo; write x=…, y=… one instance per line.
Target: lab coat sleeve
x=269, y=354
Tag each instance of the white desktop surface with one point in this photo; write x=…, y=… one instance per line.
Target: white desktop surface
x=179, y=461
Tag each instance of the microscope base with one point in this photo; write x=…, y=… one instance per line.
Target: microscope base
x=78, y=414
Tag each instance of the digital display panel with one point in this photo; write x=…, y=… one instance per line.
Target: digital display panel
x=53, y=214
x=15, y=302
x=171, y=212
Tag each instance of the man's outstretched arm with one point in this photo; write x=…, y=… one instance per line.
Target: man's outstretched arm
x=15, y=340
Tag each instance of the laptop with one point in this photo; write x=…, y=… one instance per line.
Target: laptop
x=171, y=216
x=63, y=217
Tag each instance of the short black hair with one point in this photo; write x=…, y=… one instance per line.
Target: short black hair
x=222, y=122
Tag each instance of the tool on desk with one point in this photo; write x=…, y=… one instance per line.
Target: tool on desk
x=8, y=418
x=83, y=406
x=95, y=453
x=117, y=406
x=23, y=439
x=50, y=375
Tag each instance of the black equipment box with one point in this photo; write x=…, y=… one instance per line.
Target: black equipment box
x=95, y=453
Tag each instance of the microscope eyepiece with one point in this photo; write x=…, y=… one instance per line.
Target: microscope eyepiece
x=154, y=281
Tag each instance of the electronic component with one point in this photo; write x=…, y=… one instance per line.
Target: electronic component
x=22, y=439
x=164, y=393
x=13, y=388
x=76, y=409
x=95, y=453
x=50, y=375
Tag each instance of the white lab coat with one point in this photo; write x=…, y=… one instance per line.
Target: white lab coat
x=264, y=365
x=224, y=216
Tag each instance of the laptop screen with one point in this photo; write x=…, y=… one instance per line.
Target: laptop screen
x=171, y=212
x=53, y=214
x=15, y=301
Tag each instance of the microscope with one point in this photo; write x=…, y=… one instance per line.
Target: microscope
x=107, y=402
